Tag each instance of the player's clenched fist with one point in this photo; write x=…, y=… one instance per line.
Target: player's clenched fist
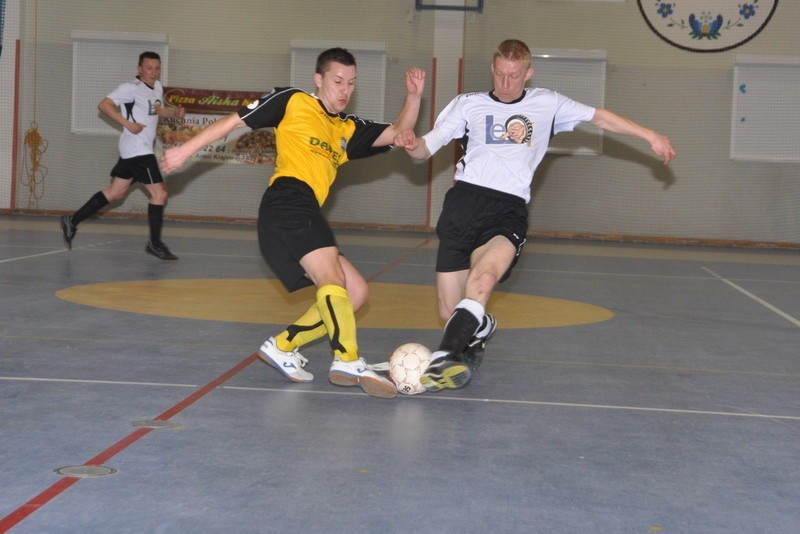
x=406, y=139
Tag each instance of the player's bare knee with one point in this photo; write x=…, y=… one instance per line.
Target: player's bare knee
x=358, y=294
x=488, y=280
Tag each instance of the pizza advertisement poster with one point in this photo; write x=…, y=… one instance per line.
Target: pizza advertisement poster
x=206, y=106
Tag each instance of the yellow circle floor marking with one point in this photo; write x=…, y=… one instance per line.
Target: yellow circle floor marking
x=263, y=301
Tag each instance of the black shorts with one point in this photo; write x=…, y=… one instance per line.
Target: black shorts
x=290, y=225
x=143, y=169
x=471, y=216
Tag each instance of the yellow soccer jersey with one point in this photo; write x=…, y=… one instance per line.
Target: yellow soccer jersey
x=311, y=143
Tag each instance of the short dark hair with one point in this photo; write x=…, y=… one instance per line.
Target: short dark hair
x=148, y=55
x=331, y=55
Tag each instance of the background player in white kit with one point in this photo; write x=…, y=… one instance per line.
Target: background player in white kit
x=136, y=106
x=504, y=134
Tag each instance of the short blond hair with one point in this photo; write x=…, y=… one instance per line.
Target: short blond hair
x=513, y=50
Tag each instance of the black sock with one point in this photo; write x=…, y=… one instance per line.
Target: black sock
x=155, y=217
x=92, y=206
x=459, y=329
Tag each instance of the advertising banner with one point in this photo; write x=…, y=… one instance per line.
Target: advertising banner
x=206, y=106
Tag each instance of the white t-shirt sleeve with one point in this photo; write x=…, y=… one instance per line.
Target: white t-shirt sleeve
x=123, y=93
x=569, y=114
x=449, y=125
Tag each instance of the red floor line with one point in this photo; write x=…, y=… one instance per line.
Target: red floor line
x=119, y=446
x=194, y=397
x=34, y=504
x=396, y=262
x=63, y=484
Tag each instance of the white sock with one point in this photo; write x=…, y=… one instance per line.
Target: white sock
x=484, y=328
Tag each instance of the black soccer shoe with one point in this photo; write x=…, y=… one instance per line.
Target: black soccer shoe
x=160, y=251
x=67, y=231
x=473, y=353
x=446, y=372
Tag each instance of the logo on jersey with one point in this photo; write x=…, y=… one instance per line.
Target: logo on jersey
x=322, y=147
x=153, y=106
x=517, y=129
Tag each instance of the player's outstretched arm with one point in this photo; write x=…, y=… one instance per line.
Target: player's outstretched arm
x=175, y=157
x=407, y=119
x=659, y=144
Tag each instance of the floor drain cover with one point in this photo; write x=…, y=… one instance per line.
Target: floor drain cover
x=85, y=471
x=155, y=424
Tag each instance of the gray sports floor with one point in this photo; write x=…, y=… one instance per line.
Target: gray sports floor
x=629, y=389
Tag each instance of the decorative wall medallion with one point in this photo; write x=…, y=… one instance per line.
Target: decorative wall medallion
x=707, y=25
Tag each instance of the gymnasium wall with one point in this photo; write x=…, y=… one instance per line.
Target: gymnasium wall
x=245, y=45
x=703, y=194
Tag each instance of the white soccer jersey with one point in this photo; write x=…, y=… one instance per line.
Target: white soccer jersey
x=138, y=102
x=504, y=143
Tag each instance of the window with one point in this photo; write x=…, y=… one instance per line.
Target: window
x=368, y=100
x=102, y=60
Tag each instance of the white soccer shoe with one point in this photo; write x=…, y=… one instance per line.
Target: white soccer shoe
x=358, y=373
x=290, y=364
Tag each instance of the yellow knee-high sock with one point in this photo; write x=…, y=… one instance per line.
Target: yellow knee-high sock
x=337, y=313
x=304, y=330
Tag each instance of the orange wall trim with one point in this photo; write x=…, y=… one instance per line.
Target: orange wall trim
x=15, y=131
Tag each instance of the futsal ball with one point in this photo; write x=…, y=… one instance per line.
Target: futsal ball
x=406, y=365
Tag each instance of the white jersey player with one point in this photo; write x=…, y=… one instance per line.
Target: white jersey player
x=504, y=135
x=136, y=106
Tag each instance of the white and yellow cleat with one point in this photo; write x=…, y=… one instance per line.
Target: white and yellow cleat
x=358, y=373
x=290, y=364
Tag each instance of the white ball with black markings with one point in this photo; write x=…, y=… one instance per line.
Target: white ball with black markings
x=406, y=365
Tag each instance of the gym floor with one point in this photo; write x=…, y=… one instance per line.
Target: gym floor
x=630, y=388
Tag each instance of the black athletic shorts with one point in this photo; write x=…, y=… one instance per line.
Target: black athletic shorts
x=143, y=169
x=471, y=216
x=290, y=225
